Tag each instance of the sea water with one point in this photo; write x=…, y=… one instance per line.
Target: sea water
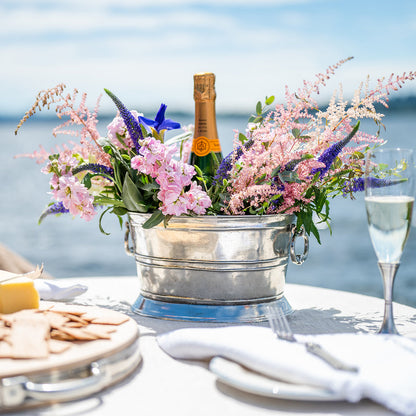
x=72, y=247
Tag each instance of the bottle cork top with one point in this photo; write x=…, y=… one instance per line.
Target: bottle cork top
x=204, y=86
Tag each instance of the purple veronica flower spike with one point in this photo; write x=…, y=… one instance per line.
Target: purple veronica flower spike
x=225, y=165
x=329, y=155
x=57, y=208
x=357, y=184
x=96, y=168
x=160, y=122
x=133, y=126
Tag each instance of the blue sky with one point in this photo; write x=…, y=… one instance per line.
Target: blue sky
x=146, y=51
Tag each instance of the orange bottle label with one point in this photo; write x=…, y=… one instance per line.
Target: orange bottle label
x=202, y=146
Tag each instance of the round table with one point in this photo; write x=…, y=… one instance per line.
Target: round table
x=162, y=385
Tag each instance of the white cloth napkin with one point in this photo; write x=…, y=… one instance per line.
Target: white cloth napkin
x=58, y=290
x=387, y=363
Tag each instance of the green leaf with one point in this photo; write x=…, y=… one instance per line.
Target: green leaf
x=150, y=186
x=166, y=220
x=296, y=132
x=156, y=218
x=119, y=211
x=269, y=100
x=198, y=170
x=132, y=197
x=242, y=138
x=260, y=179
x=337, y=164
x=87, y=180
x=101, y=218
x=289, y=176
x=258, y=108
x=275, y=171
x=315, y=232
x=105, y=200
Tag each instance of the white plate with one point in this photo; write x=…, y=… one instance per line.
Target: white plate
x=235, y=375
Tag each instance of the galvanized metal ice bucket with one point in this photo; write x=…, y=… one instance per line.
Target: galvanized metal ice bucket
x=212, y=268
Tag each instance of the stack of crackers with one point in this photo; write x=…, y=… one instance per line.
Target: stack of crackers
x=53, y=328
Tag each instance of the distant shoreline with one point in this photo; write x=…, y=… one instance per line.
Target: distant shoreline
x=399, y=104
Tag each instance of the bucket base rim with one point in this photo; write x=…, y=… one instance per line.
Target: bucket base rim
x=174, y=311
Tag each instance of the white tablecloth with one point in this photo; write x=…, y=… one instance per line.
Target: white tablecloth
x=162, y=385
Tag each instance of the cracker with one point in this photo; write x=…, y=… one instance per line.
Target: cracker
x=78, y=334
x=74, y=325
x=4, y=332
x=5, y=349
x=76, y=318
x=57, y=347
x=106, y=316
x=98, y=331
x=71, y=309
x=59, y=335
x=56, y=320
x=28, y=337
x=53, y=328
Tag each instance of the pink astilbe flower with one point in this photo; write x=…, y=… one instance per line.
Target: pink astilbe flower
x=296, y=130
x=40, y=156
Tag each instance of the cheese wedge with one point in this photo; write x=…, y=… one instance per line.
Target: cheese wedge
x=17, y=294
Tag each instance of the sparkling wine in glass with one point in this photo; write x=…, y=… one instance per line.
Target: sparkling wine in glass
x=389, y=198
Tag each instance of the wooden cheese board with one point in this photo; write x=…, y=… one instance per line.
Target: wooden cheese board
x=84, y=368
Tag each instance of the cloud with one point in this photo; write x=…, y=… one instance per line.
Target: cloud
x=147, y=51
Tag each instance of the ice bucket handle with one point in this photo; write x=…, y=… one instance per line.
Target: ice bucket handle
x=129, y=250
x=299, y=258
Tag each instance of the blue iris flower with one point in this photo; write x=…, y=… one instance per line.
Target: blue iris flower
x=160, y=122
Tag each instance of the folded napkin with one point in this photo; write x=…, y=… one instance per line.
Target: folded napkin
x=58, y=290
x=387, y=363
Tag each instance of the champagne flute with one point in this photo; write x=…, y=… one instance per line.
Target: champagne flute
x=389, y=198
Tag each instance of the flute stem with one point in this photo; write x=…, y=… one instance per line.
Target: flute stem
x=388, y=273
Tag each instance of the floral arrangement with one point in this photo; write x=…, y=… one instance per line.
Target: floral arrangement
x=292, y=158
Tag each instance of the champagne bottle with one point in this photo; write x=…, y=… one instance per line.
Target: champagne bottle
x=205, y=140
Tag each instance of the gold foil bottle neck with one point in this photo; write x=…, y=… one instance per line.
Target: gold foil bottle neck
x=204, y=86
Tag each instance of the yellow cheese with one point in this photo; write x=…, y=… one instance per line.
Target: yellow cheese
x=17, y=294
